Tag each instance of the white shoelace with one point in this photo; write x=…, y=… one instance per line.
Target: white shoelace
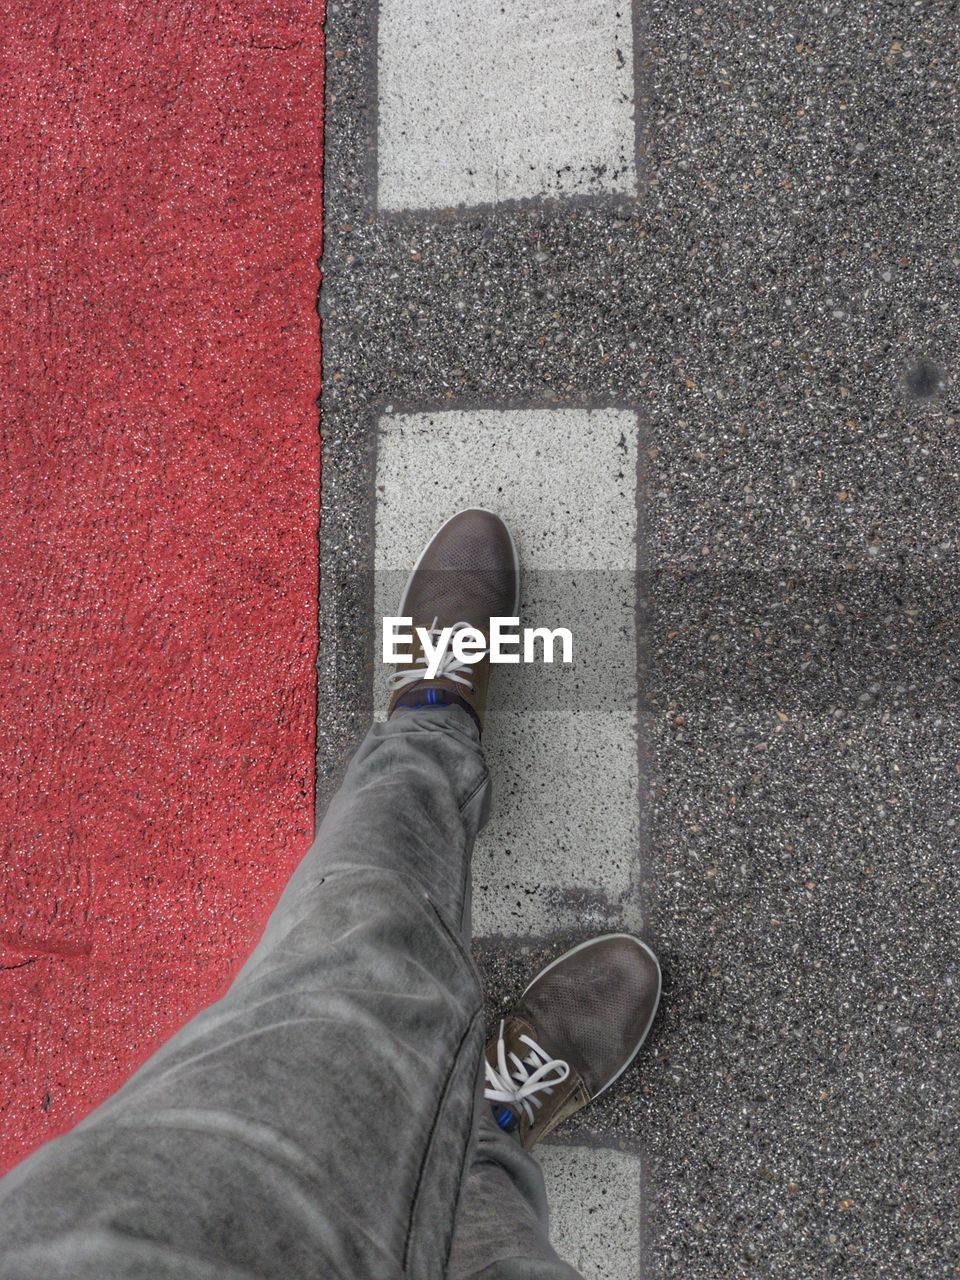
x=521, y=1082
x=450, y=667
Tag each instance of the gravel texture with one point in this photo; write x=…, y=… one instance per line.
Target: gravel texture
x=779, y=304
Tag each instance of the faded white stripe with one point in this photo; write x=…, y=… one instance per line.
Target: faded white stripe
x=594, y=1198
x=561, y=849
x=482, y=102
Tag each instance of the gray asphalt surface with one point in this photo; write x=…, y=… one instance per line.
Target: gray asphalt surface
x=780, y=304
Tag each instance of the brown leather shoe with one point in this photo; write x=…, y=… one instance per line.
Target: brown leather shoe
x=467, y=574
x=577, y=1028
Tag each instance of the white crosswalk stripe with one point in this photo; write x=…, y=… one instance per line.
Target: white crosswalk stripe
x=562, y=742
x=594, y=1197
x=561, y=746
x=482, y=102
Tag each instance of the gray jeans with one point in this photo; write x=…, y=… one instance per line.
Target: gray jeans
x=320, y=1120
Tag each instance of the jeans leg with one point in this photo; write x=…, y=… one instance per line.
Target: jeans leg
x=316, y=1121
x=503, y=1227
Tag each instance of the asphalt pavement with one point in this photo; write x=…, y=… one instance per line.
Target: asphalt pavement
x=736, y=229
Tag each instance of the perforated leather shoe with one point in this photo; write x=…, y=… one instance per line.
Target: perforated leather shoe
x=468, y=573
x=578, y=1026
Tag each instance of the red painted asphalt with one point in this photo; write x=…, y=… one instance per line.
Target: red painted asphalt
x=159, y=495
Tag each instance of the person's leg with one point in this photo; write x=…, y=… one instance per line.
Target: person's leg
x=574, y=1032
x=316, y=1120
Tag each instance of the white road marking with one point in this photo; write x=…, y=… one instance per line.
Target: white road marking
x=594, y=1198
x=483, y=101
x=561, y=741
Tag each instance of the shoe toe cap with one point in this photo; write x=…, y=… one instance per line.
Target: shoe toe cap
x=597, y=1005
x=469, y=570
